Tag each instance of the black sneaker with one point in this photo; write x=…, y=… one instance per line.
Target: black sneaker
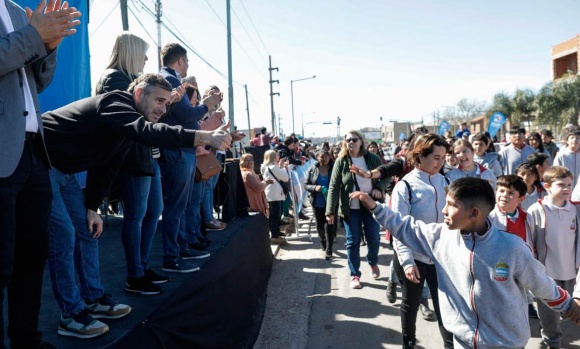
x=179, y=266
x=142, y=286
x=155, y=278
x=302, y=216
x=199, y=246
x=204, y=239
x=189, y=253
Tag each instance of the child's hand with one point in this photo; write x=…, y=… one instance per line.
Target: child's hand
x=573, y=312
x=364, y=198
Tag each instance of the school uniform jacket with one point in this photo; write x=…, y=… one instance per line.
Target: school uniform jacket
x=482, y=280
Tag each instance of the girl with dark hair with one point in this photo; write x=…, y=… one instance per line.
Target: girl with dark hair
x=535, y=141
x=317, y=183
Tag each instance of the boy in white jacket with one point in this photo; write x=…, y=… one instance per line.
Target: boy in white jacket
x=555, y=236
x=483, y=273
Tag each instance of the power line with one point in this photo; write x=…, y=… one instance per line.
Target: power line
x=249, y=36
x=142, y=26
x=236, y=40
x=104, y=20
x=253, y=25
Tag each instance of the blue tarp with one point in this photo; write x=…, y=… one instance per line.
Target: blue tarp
x=72, y=79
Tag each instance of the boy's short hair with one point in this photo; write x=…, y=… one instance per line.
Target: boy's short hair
x=480, y=136
x=473, y=192
x=572, y=131
x=289, y=140
x=537, y=159
x=517, y=130
x=512, y=182
x=556, y=172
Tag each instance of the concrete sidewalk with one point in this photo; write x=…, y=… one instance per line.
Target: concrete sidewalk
x=310, y=303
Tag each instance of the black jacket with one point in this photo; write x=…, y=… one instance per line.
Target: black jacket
x=97, y=132
x=139, y=161
x=311, y=179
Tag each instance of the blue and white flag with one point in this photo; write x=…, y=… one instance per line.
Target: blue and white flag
x=495, y=123
x=443, y=127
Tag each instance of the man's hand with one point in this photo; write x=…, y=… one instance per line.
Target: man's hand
x=217, y=139
x=364, y=198
x=177, y=94
x=94, y=221
x=318, y=188
x=573, y=313
x=213, y=99
x=236, y=135
x=412, y=274
x=54, y=22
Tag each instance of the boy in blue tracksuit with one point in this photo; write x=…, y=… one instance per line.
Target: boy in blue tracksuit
x=483, y=273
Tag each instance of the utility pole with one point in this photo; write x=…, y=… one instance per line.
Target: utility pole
x=248, y=109
x=158, y=21
x=272, y=94
x=337, y=128
x=230, y=78
x=124, y=18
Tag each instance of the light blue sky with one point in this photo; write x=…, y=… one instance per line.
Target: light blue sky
x=396, y=59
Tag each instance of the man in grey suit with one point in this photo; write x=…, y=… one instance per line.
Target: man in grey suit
x=28, y=42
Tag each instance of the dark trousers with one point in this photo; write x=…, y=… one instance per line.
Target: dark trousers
x=326, y=232
x=275, y=217
x=412, y=294
x=25, y=203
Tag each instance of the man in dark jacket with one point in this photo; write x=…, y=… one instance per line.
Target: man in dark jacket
x=96, y=133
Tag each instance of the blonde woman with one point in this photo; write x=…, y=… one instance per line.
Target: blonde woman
x=273, y=168
x=127, y=61
x=255, y=187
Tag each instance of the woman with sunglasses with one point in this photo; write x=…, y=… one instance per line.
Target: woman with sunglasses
x=357, y=220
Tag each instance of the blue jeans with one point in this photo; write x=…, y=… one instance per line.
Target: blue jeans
x=191, y=224
x=207, y=203
x=72, y=247
x=142, y=204
x=176, y=180
x=357, y=224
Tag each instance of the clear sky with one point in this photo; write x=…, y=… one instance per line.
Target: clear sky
x=400, y=60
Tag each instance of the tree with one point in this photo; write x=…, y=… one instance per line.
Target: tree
x=568, y=92
x=469, y=108
x=501, y=102
x=523, y=104
x=550, y=107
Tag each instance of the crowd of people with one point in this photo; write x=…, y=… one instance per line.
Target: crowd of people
x=140, y=132
x=441, y=198
x=514, y=191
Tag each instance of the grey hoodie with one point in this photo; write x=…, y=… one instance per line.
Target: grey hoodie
x=491, y=162
x=482, y=280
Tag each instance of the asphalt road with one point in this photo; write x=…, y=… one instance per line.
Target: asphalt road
x=310, y=304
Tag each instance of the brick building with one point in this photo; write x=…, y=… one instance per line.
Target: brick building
x=565, y=57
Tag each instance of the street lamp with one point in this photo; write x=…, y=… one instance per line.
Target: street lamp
x=292, y=96
x=302, y=122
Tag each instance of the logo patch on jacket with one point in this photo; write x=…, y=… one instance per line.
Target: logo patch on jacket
x=573, y=224
x=501, y=272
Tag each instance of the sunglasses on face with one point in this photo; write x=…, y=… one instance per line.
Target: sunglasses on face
x=353, y=140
